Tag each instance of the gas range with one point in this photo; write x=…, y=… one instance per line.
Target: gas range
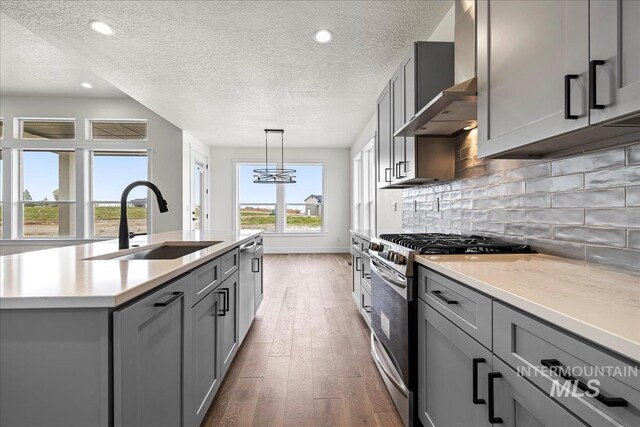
x=398, y=251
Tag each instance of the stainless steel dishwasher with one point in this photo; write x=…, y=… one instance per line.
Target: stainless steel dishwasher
x=247, y=284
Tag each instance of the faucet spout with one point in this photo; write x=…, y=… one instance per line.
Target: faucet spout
x=123, y=235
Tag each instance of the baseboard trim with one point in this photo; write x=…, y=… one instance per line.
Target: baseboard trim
x=303, y=250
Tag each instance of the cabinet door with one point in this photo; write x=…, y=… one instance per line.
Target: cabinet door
x=615, y=39
x=397, y=120
x=526, y=50
x=383, y=134
x=356, y=274
x=247, y=303
x=150, y=349
x=452, y=372
x=409, y=94
x=206, y=365
x=256, y=267
x=228, y=321
x=519, y=403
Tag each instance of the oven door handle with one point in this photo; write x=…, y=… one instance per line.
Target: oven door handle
x=396, y=383
x=387, y=277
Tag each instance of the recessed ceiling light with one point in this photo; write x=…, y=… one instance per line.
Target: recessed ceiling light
x=86, y=85
x=101, y=27
x=323, y=36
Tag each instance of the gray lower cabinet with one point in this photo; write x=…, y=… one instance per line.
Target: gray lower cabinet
x=452, y=373
x=518, y=403
x=151, y=342
x=356, y=272
x=257, y=269
x=228, y=330
x=206, y=360
x=247, y=295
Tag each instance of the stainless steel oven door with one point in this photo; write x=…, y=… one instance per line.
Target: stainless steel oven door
x=390, y=329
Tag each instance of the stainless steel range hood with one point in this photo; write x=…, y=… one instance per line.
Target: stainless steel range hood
x=454, y=109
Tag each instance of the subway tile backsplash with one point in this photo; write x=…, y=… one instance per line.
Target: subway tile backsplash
x=585, y=207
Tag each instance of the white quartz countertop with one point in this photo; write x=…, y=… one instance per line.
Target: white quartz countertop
x=595, y=302
x=63, y=278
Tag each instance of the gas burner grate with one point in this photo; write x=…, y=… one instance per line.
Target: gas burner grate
x=439, y=243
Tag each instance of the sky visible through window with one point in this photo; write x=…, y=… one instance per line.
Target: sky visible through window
x=111, y=175
x=308, y=177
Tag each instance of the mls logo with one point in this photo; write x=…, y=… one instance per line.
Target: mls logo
x=575, y=388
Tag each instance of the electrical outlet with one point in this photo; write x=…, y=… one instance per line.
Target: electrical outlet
x=437, y=204
x=394, y=206
x=415, y=206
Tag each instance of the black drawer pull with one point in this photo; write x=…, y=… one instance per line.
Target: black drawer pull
x=367, y=308
x=474, y=393
x=438, y=294
x=593, y=102
x=556, y=367
x=176, y=295
x=567, y=97
x=492, y=418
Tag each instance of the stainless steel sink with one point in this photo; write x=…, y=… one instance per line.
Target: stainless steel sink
x=167, y=250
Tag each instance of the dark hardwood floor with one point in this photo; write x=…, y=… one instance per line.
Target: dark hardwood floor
x=306, y=358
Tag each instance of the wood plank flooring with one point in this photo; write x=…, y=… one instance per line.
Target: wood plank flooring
x=306, y=358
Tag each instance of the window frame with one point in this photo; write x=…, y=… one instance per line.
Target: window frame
x=281, y=200
x=91, y=201
x=19, y=129
x=91, y=137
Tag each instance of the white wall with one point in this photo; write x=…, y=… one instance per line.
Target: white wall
x=336, y=196
x=165, y=140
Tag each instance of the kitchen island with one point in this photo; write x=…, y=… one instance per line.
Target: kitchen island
x=89, y=336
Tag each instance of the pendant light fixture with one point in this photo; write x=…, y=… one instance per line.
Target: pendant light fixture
x=274, y=175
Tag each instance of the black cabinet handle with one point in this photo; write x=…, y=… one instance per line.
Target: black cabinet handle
x=492, y=418
x=357, y=260
x=367, y=308
x=176, y=295
x=438, y=294
x=567, y=97
x=255, y=265
x=555, y=366
x=225, y=304
x=593, y=102
x=387, y=171
x=367, y=276
x=474, y=393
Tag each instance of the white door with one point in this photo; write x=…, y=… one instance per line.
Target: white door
x=199, y=191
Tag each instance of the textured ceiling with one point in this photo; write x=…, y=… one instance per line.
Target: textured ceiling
x=29, y=66
x=226, y=70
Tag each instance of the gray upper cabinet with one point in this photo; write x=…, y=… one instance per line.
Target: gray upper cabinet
x=228, y=328
x=151, y=341
x=615, y=40
x=529, y=53
x=426, y=70
x=383, y=137
x=452, y=373
x=206, y=364
x=557, y=77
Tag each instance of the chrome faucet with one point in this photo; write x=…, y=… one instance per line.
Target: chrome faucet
x=123, y=235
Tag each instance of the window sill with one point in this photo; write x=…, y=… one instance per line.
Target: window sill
x=296, y=233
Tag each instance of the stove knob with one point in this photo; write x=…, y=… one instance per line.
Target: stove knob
x=374, y=247
x=390, y=255
x=400, y=259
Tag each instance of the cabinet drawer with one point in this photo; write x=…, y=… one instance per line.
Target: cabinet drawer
x=229, y=263
x=365, y=304
x=205, y=279
x=531, y=347
x=468, y=309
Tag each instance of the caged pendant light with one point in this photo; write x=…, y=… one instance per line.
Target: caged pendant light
x=274, y=175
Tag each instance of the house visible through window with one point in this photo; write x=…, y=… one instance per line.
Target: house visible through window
x=107, y=189
x=304, y=199
x=301, y=204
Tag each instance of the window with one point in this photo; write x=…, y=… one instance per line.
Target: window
x=107, y=189
x=304, y=204
x=47, y=193
x=47, y=129
x=257, y=202
x=109, y=130
x=301, y=204
x=1, y=182
x=364, y=188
